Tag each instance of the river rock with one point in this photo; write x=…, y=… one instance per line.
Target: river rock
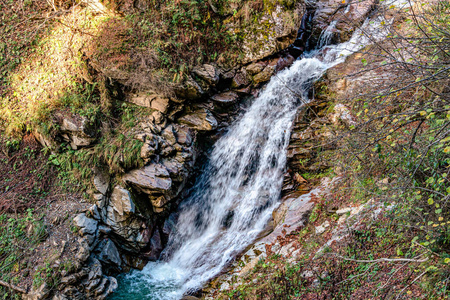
x=240, y=80
x=265, y=75
x=169, y=224
x=201, y=119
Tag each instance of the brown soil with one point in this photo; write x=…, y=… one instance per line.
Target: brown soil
x=27, y=182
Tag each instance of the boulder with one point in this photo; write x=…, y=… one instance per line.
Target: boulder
x=158, y=117
x=255, y=68
x=86, y=225
x=161, y=104
x=101, y=181
x=190, y=90
x=122, y=219
x=225, y=98
x=110, y=255
x=77, y=130
x=265, y=75
x=150, y=179
x=150, y=99
x=207, y=73
x=168, y=135
x=129, y=229
x=184, y=135
x=240, y=80
x=121, y=201
x=201, y=119
x=274, y=30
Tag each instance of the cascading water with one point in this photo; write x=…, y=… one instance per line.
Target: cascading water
x=239, y=188
x=326, y=35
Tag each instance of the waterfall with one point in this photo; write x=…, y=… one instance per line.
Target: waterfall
x=326, y=35
x=239, y=187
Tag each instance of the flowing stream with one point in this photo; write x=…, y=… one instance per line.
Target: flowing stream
x=239, y=187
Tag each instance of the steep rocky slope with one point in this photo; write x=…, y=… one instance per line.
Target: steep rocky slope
x=128, y=96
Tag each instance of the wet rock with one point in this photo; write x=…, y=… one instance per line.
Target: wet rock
x=201, y=119
x=96, y=285
x=169, y=224
x=265, y=74
x=110, y=255
x=156, y=247
x=284, y=62
x=347, y=15
x=86, y=225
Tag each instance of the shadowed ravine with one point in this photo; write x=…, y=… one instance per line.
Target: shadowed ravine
x=239, y=187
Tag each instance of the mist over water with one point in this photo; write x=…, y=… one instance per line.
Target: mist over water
x=239, y=187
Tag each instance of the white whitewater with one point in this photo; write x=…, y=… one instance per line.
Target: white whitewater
x=239, y=188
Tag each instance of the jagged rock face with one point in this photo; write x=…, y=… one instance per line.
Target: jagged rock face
x=128, y=228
